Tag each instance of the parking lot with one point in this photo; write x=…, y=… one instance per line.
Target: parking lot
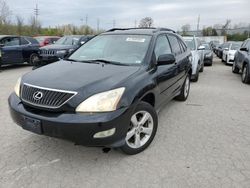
x=203, y=142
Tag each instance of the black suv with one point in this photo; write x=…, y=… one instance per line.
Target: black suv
x=61, y=48
x=18, y=49
x=242, y=61
x=108, y=91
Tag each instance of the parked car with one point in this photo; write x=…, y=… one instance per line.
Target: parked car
x=228, y=53
x=242, y=61
x=108, y=92
x=213, y=44
x=46, y=40
x=221, y=48
x=197, y=50
x=61, y=48
x=208, y=54
x=216, y=49
x=18, y=49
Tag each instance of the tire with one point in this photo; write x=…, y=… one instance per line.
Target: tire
x=202, y=68
x=196, y=77
x=34, y=59
x=245, y=74
x=136, y=140
x=235, y=69
x=184, y=90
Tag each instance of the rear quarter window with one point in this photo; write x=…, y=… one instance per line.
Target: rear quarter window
x=174, y=42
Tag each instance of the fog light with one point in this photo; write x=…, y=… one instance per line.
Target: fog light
x=104, y=134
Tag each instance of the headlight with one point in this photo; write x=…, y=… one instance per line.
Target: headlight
x=102, y=102
x=61, y=51
x=17, y=87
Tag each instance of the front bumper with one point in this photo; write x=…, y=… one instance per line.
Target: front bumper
x=77, y=127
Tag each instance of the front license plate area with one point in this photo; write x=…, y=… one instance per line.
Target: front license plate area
x=33, y=125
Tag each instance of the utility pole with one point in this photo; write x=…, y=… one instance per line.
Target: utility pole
x=86, y=20
x=36, y=12
x=98, y=25
x=198, y=25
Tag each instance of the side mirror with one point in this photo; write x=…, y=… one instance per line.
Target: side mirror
x=244, y=49
x=201, y=48
x=226, y=49
x=82, y=42
x=166, y=59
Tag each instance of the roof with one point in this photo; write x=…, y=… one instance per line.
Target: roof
x=141, y=31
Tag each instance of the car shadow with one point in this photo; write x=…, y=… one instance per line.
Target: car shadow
x=11, y=67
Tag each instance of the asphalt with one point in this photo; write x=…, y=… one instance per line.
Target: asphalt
x=203, y=142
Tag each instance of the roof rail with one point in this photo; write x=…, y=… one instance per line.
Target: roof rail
x=165, y=29
x=157, y=29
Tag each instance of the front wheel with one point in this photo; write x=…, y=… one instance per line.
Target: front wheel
x=142, y=129
x=245, y=75
x=235, y=69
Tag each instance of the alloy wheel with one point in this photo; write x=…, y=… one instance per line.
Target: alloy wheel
x=187, y=86
x=244, y=73
x=140, y=130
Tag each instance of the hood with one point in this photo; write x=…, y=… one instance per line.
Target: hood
x=85, y=78
x=232, y=51
x=57, y=47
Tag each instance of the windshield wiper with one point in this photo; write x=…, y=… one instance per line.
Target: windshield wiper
x=108, y=62
x=81, y=61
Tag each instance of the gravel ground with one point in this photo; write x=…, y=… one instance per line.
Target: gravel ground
x=203, y=142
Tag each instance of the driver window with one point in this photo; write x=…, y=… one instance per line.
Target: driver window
x=162, y=46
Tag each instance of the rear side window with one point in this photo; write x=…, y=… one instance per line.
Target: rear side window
x=162, y=46
x=24, y=41
x=183, y=46
x=174, y=44
x=11, y=41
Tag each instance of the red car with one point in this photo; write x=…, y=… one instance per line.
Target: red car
x=46, y=40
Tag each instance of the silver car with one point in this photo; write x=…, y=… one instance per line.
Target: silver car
x=197, y=50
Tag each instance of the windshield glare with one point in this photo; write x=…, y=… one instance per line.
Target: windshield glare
x=235, y=46
x=125, y=49
x=190, y=43
x=68, y=40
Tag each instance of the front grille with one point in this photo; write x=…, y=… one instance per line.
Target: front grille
x=45, y=97
x=47, y=52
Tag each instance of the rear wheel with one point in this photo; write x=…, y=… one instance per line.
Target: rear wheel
x=34, y=59
x=235, y=69
x=245, y=75
x=184, y=90
x=142, y=129
x=202, y=68
x=196, y=77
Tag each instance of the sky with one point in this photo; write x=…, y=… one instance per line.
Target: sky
x=169, y=13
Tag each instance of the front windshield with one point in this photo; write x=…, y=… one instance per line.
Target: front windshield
x=125, y=49
x=235, y=46
x=190, y=43
x=68, y=40
x=207, y=47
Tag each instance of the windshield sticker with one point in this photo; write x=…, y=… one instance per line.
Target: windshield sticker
x=135, y=39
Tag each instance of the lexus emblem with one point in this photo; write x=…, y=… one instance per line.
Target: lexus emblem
x=37, y=95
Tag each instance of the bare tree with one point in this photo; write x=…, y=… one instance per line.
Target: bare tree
x=35, y=25
x=225, y=27
x=19, y=22
x=5, y=12
x=146, y=22
x=185, y=29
